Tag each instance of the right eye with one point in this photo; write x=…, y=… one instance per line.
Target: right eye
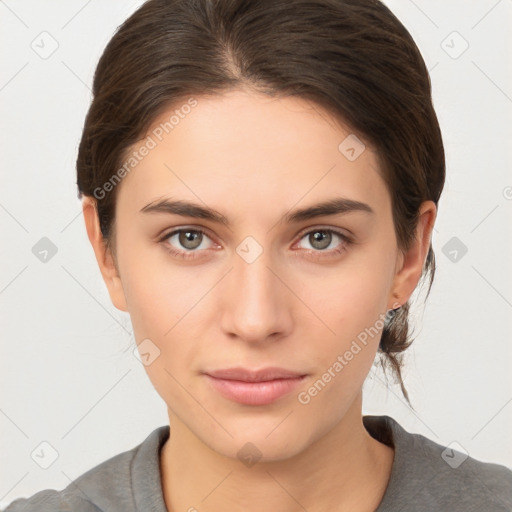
x=185, y=242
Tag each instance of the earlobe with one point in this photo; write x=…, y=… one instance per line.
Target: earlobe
x=411, y=263
x=104, y=256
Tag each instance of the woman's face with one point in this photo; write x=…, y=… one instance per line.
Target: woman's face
x=266, y=287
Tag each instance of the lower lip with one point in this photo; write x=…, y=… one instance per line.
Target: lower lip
x=255, y=393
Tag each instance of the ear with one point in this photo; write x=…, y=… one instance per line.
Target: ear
x=104, y=256
x=410, y=264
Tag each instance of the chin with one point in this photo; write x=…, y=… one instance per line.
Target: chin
x=266, y=441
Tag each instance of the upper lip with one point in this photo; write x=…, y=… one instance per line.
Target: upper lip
x=261, y=375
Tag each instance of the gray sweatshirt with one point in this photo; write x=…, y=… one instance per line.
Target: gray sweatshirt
x=425, y=477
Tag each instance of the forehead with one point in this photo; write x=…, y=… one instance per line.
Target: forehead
x=248, y=147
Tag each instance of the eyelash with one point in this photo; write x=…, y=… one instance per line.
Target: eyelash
x=192, y=254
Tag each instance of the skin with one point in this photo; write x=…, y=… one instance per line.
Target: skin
x=255, y=158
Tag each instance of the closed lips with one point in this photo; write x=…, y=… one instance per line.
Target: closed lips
x=262, y=375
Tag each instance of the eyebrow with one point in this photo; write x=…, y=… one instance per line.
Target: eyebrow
x=336, y=206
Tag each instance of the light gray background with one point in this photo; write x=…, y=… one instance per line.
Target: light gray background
x=68, y=374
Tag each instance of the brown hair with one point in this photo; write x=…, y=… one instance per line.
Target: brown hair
x=352, y=57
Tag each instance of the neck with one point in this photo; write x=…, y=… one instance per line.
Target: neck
x=344, y=470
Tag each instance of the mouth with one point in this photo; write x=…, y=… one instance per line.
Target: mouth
x=260, y=387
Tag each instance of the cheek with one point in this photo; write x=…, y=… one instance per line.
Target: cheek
x=164, y=303
x=158, y=293
x=161, y=306
x=350, y=297
x=344, y=353
x=350, y=302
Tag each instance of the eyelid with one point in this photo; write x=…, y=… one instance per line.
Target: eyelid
x=345, y=238
x=165, y=234
x=339, y=231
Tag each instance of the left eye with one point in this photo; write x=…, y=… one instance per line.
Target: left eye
x=320, y=239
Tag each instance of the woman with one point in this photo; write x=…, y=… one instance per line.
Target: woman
x=259, y=182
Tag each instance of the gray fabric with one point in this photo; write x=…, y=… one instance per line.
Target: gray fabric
x=420, y=480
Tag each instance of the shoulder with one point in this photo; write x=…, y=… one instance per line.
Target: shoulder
x=51, y=500
x=107, y=486
x=429, y=476
x=452, y=472
x=84, y=492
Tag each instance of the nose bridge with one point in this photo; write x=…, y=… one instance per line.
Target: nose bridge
x=255, y=306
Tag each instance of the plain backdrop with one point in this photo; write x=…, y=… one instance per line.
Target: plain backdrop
x=68, y=376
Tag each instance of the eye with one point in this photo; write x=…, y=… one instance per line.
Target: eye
x=320, y=239
x=186, y=242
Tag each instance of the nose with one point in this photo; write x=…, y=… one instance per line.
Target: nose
x=256, y=305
